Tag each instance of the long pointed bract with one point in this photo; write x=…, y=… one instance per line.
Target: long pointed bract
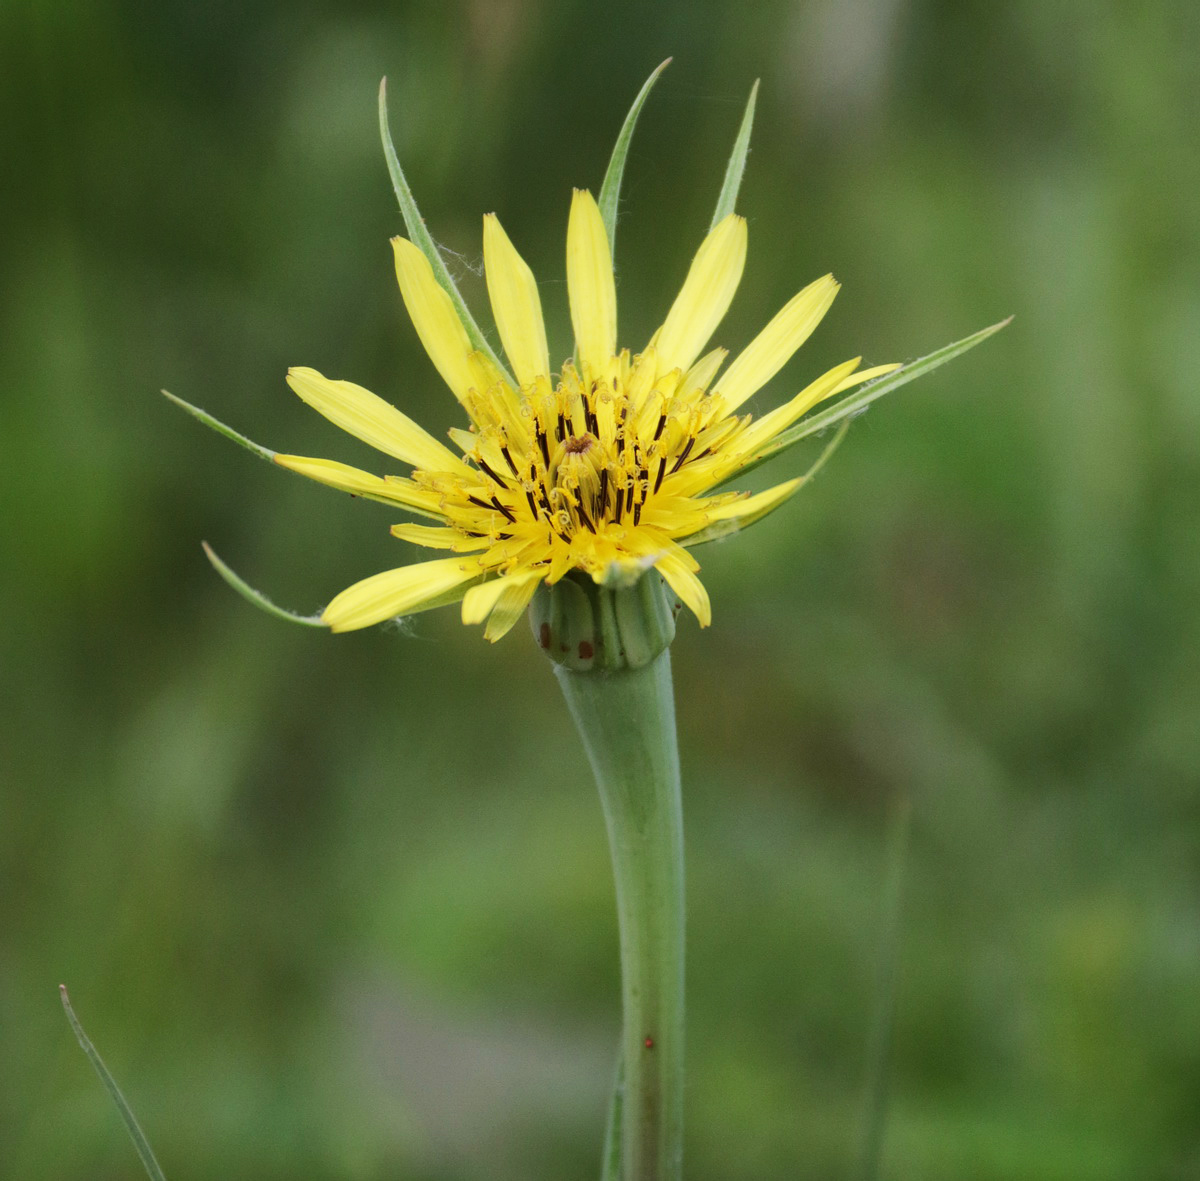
x=251, y=595
x=610, y=190
x=857, y=402
x=727, y=201
x=420, y=237
x=217, y=425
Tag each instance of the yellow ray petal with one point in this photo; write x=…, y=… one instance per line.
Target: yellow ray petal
x=438, y=537
x=432, y=313
x=510, y=607
x=687, y=586
x=590, y=286
x=481, y=600
x=773, y=347
x=397, y=592
x=698, y=377
x=753, y=508
x=742, y=512
x=516, y=305
x=767, y=427
x=865, y=375
x=342, y=476
x=705, y=297
x=368, y=417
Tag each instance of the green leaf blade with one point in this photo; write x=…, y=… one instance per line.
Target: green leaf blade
x=610, y=189
x=421, y=237
x=737, y=162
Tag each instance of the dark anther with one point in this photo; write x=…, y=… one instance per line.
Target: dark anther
x=637, y=512
x=509, y=459
x=504, y=510
x=629, y=495
x=532, y=503
x=562, y=427
x=662, y=471
x=662, y=422
x=602, y=499
x=499, y=479
x=584, y=517
x=589, y=417
x=543, y=444
x=684, y=454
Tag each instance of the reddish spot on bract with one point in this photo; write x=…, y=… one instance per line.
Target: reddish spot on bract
x=544, y=636
x=586, y=651
x=649, y=1043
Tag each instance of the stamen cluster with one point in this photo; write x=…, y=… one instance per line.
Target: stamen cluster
x=582, y=456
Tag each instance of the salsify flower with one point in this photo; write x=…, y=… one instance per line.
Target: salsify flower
x=607, y=466
x=584, y=479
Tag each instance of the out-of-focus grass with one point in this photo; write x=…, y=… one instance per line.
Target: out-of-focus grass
x=339, y=907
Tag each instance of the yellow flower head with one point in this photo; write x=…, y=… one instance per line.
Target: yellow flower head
x=610, y=465
x=607, y=466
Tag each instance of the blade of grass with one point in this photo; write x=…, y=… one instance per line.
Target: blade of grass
x=140, y=1143
x=251, y=595
x=737, y=161
x=879, y=1051
x=610, y=190
x=217, y=425
x=420, y=237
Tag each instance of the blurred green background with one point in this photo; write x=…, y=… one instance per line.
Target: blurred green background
x=340, y=908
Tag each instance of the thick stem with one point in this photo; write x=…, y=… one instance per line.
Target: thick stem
x=627, y=721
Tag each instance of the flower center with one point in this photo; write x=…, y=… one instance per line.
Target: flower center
x=587, y=457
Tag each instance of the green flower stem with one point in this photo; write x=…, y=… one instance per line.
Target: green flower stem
x=626, y=719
